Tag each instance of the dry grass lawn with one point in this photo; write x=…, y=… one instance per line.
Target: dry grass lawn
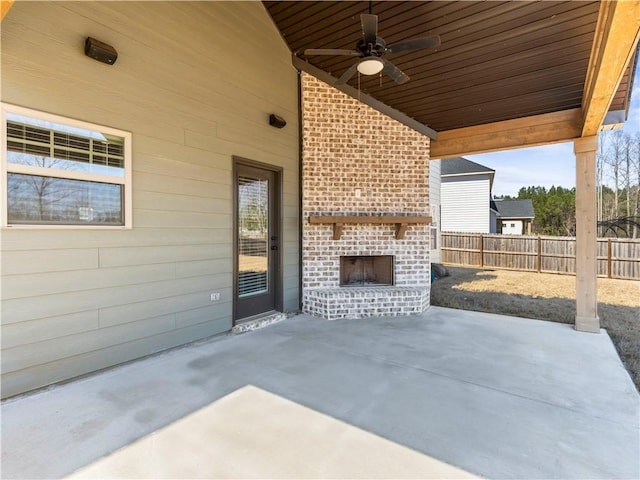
x=547, y=297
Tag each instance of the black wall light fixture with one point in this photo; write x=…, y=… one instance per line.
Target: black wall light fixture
x=100, y=51
x=276, y=121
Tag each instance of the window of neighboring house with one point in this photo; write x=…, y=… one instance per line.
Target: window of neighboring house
x=62, y=172
x=434, y=238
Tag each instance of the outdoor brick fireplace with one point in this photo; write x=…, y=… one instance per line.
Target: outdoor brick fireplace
x=365, y=206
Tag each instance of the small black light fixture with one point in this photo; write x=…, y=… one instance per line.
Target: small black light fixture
x=100, y=51
x=276, y=121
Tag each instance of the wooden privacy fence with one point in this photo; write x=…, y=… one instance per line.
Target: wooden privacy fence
x=617, y=257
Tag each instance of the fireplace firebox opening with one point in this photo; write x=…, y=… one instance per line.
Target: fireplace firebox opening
x=366, y=270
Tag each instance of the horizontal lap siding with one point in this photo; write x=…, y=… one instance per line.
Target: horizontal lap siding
x=435, y=202
x=194, y=83
x=465, y=204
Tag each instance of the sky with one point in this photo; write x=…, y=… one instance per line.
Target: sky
x=546, y=165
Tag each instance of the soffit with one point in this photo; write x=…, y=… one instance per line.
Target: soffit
x=498, y=60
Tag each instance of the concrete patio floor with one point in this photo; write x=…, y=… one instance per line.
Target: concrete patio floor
x=447, y=394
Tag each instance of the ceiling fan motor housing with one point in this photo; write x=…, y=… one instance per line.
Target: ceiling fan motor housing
x=368, y=49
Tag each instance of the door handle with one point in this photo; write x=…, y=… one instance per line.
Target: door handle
x=274, y=247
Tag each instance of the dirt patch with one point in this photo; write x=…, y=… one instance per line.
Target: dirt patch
x=547, y=297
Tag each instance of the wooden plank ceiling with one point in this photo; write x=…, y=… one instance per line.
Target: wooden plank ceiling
x=497, y=61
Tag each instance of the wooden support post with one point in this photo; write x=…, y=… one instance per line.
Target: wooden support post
x=539, y=260
x=481, y=251
x=586, y=241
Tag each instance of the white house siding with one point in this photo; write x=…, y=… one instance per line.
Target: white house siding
x=512, y=227
x=194, y=82
x=465, y=204
x=434, y=202
x=493, y=222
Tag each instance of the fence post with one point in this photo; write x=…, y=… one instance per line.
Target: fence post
x=539, y=254
x=481, y=251
x=608, y=257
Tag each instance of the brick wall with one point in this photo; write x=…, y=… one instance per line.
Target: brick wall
x=357, y=161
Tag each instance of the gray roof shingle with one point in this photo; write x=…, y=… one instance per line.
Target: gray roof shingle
x=461, y=166
x=515, y=208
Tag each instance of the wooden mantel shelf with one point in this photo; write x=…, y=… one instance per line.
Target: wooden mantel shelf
x=339, y=221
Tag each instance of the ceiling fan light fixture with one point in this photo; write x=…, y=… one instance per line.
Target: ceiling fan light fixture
x=371, y=50
x=370, y=66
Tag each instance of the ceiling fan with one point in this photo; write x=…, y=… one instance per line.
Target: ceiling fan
x=372, y=49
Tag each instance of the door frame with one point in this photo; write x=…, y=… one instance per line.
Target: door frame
x=277, y=212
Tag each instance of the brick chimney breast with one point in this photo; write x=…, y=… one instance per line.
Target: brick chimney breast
x=358, y=161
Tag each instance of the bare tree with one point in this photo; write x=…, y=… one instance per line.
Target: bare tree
x=614, y=160
x=601, y=156
x=636, y=154
x=627, y=147
x=47, y=191
x=618, y=182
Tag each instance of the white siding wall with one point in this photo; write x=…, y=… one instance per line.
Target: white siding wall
x=493, y=220
x=508, y=229
x=465, y=204
x=194, y=82
x=434, y=202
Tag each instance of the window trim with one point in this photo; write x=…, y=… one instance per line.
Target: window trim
x=6, y=168
x=434, y=240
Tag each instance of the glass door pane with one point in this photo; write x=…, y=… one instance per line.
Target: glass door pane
x=253, y=236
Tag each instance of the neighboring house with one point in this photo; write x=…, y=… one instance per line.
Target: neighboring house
x=465, y=193
x=434, y=202
x=515, y=217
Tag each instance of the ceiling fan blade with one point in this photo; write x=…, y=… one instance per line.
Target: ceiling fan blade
x=347, y=74
x=394, y=72
x=414, y=44
x=330, y=51
x=369, y=27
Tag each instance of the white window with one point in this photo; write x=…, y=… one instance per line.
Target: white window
x=62, y=172
x=434, y=238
